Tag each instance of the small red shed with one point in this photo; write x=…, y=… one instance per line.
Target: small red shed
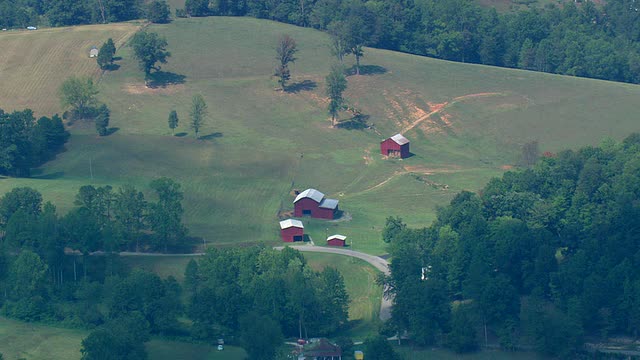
x=336, y=240
x=312, y=202
x=396, y=146
x=291, y=230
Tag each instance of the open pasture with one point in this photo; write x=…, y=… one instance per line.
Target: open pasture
x=466, y=124
x=33, y=64
x=20, y=340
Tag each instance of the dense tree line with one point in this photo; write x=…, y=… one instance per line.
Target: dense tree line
x=577, y=39
x=104, y=219
x=580, y=39
x=22, y=13
x=26, y=143
x=548, y=254
x=40, y=281
x=227, y=284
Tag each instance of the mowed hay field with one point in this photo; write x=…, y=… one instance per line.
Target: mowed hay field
x=30, y=341
x=466, y=124
x=33, y=64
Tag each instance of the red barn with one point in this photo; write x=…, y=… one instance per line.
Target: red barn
x=336, y=240
x=312, y=202
x=396, y=146
x=291, y=230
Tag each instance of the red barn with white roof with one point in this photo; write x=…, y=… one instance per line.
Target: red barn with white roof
x=291, y=230
x=337, y=240
x=396, y=146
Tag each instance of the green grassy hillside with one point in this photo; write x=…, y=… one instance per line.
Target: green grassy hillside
x=261, y=144
x=33, y=64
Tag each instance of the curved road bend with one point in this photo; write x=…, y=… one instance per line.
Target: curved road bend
x=377, y=262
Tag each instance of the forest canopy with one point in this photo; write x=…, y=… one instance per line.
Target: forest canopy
x=547, y=253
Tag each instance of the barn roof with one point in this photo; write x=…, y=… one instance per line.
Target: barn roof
x=336, y=236
x=399, y=139
x=285, y=224
x=313, y=194
x=322, y=347
x=328, y=204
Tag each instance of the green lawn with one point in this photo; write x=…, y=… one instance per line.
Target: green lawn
x=42, y=342
x=262, y=144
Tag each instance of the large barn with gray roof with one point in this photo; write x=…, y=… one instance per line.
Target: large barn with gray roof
x=312, y=202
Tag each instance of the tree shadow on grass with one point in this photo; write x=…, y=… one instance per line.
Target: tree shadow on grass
x=211, y=136
x=112, y=130
x=112, y=67
x=305, y=85
x=181, y=134
x=367, y=70
x=355, y=123
x=51, y=176
x=164, y=79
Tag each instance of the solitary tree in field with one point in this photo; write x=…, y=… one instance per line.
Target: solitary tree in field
x=173, y=121
x=338, y=45
x=197, y=113
x=106, y=53
x=149, y=49
x=285, y=54
x=79, y=94
x=102, y=120
x=336, y=85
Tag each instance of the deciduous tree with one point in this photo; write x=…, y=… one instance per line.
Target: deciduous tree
x=149, y=48
x=285, y=54
x=197, y=113
x=197, y=7
x=165, y=215
x=106, y=54
x=260, y=336
x=102, y=120
x=158, y=11
x=79, y=94
x=173, y=121
x=21, y=198
x=336, y=85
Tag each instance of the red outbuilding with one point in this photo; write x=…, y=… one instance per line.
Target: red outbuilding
x=336, y=240
x=291, y=230
x=312, y=202
x=396, y=146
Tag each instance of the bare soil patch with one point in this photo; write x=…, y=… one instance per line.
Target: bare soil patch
x=427, y=119
x=285, y=214
x=367, y=157
x=141, y=89
x=430, y=171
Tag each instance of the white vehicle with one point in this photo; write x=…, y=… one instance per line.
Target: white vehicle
x=220, y=347
x=32, y=28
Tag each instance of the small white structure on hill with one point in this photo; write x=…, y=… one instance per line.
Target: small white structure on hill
x=93, y=52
